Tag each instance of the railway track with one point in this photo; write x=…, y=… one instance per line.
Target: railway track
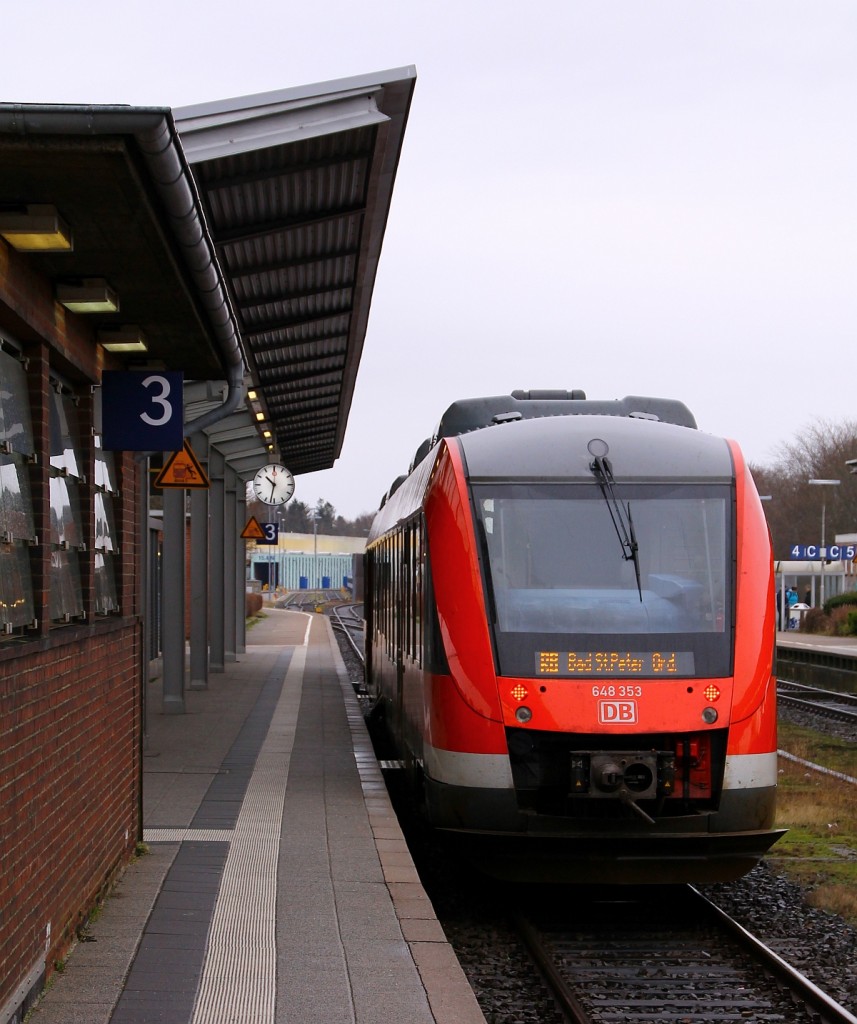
x=676, y=958
x=347, y=620
x=829, y=703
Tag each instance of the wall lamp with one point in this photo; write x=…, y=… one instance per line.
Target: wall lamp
x=123, y=339
x=91, y=295
x=36, y=228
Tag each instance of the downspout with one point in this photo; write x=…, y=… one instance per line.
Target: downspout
x=162, y=150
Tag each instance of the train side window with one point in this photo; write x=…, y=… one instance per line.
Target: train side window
x=417, y=594
x=407, y=591
x=17, y=524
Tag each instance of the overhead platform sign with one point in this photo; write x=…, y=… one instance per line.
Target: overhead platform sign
x=183, y=469
x=142, y=412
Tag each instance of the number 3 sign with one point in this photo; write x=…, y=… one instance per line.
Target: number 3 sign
x=142, y=412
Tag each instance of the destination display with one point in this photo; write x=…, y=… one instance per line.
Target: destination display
x=614, y=663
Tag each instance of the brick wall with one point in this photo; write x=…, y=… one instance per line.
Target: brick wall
x=70, y=700
x=69, y=795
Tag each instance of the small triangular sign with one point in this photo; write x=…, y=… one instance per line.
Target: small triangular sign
x=183, y=469
x=252, y=531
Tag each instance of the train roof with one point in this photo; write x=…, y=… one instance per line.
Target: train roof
x=474, y=413
x=562, y=448
x=546, y=444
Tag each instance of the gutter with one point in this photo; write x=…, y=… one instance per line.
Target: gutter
x=154, y=132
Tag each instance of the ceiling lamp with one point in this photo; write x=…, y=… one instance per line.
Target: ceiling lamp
x=91, y=295
x=35, y=228
x=124, y=339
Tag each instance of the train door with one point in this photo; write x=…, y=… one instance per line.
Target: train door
x=369, y=598
x=400, y=590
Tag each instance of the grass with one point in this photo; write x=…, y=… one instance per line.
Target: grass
x=820, y=849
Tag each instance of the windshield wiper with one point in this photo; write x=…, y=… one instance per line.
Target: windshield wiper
x=620, y=514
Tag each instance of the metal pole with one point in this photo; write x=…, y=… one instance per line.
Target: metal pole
x=174, y=601
x=823, y=553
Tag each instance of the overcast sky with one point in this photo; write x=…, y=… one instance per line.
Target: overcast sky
x=653, y=197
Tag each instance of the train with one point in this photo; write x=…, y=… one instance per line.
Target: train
x=570, y=641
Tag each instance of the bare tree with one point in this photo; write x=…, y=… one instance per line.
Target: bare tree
x=817, y=451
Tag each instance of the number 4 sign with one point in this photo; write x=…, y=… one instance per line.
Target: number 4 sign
x=142, y=412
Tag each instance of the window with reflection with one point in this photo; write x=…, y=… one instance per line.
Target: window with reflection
x=106, y=538
x=558, y=565
x=17, y=530
x=67, y=533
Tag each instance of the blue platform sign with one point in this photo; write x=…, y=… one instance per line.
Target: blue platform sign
x=831, y=552
x=142, y=411
x=270, y=534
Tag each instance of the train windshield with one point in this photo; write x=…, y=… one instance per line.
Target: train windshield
x=556, y=564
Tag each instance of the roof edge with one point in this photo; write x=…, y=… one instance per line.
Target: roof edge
x=154, y=133
x=320, y=91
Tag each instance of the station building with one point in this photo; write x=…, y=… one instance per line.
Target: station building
x=205, y=274
x=302, y=561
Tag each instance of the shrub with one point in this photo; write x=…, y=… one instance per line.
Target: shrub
x=253, y=605
x=849, y=626
x=839, y=620
x=840, y=601
x=816, y=621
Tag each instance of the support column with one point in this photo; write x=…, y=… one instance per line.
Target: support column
x=199, y=575
x=241, y=569
x=174, y=601
x=230, y=590
x=217, y=573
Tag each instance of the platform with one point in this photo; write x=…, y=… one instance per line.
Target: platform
x=843, y=646
x=277, y=887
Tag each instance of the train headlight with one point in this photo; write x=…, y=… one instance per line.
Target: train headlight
x=709, y=716
x=523, y=714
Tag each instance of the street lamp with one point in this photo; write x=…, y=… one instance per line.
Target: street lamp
x=823, y=483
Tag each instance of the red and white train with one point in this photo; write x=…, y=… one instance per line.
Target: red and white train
x=570, y=628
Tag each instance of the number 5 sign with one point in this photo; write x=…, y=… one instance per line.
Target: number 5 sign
x=142, y=412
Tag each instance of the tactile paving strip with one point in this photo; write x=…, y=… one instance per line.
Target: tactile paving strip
x=239, y=977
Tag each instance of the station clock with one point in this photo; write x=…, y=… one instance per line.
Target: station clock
x=273, y=484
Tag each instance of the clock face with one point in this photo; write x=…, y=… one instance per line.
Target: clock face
x=273, y=484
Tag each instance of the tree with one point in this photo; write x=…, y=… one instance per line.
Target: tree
x=298, y=517
x=820, y=451
x=325, y=516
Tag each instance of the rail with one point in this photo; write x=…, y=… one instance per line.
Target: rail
x=678, y=958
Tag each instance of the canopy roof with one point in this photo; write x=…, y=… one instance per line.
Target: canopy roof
x=244, y=245
x=296, y=188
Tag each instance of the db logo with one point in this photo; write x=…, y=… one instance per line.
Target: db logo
x=612, y=711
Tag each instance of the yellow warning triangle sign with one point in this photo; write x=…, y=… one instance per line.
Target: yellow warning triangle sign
x=183, y=469
x=252, y=531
